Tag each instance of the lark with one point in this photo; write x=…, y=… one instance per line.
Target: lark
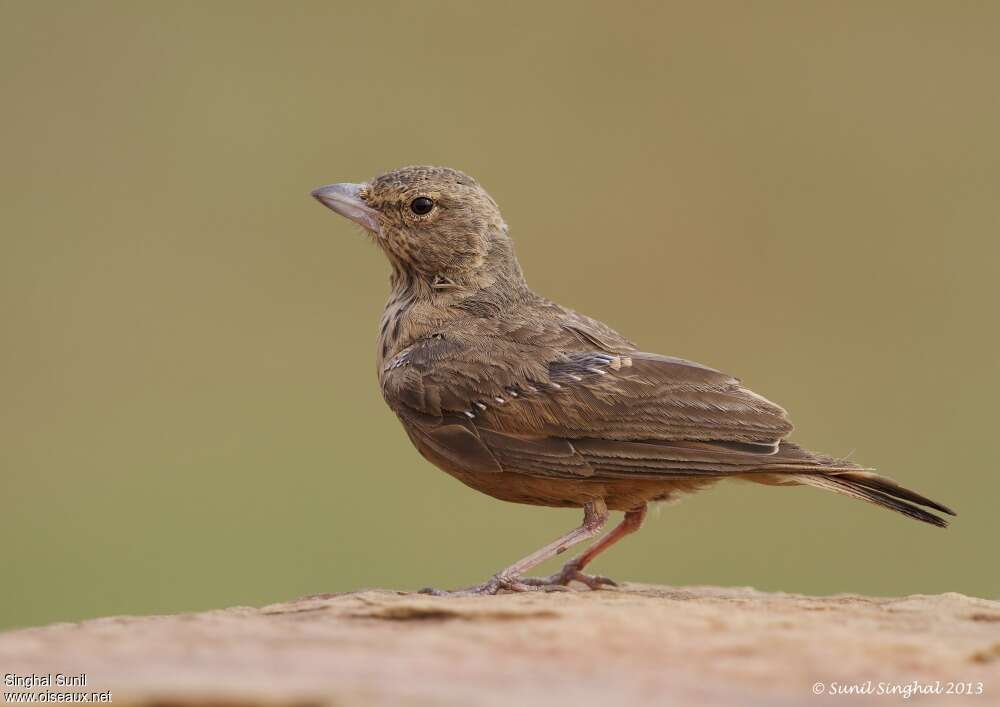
x=530, y=402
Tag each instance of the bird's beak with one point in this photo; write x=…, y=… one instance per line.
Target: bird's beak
x=346, y=200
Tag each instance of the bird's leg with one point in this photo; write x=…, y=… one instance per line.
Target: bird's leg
x=595, y=516
x=572, y=570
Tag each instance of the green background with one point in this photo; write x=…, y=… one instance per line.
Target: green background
x=802, y=194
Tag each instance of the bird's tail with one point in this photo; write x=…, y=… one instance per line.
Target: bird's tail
x=882, y=491
x=849, y=479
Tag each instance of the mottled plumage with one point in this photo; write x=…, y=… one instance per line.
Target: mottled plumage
x=531, y=402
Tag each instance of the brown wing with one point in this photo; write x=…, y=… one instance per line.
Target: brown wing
x=529, y=406
x=640, y=396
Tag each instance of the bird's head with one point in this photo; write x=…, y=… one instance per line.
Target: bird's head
x=434, y=223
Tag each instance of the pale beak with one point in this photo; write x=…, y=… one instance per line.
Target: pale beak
x=346, y=200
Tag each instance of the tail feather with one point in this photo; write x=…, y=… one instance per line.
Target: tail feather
x=875, y=482
x=879, y=490
x=794, y=464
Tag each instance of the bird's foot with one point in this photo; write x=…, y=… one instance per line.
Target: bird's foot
x=496, y=584
x=570, y=573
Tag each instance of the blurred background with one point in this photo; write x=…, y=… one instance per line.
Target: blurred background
x=801, y=194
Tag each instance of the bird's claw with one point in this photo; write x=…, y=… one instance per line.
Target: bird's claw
x=568, y=574
x=497, y=584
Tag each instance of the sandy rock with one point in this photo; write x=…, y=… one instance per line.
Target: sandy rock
x=636, y=645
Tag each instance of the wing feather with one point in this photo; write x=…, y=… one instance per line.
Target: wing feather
x=584, y=413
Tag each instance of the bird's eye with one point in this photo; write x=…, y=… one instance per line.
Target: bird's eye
x=421, y=205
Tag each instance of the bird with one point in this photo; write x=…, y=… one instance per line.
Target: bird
x=531, y=402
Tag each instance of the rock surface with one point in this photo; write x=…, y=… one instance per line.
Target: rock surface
x=636, y=645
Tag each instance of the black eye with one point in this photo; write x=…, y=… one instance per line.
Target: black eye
x=421, y=205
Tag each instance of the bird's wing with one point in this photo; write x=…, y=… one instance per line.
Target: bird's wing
x=541, y=410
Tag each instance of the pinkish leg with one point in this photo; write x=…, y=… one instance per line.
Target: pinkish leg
x=573, y=570
x=595, y=516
